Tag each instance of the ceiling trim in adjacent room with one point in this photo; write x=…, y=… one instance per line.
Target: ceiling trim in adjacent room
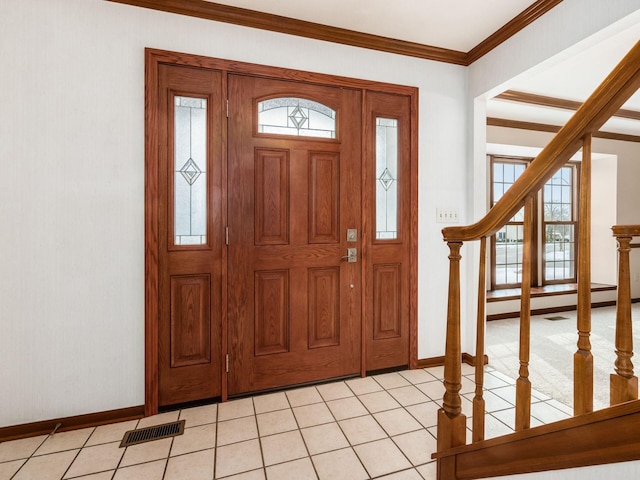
x=542, y=127
x=544, y=101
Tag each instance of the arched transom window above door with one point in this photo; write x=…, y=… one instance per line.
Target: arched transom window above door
x=297, y=117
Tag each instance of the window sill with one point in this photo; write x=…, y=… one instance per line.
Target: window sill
x=546, y=291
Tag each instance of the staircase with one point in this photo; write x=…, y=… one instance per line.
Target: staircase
x=606, y=436
x=589, y=438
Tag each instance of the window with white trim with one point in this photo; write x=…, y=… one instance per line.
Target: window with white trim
x=555, y=227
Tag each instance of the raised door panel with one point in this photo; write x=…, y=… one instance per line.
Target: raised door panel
x=387, y=284
x=271, y=312
x=324, y=197
x=324, y=307
x=271, y=197
x=190, y=320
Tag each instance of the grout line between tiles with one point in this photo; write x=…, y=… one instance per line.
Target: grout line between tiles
x=369, y=413
x=295, y=419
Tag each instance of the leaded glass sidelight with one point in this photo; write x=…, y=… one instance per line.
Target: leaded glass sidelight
x=386, y=178
x=190, y=175
x=296, y=116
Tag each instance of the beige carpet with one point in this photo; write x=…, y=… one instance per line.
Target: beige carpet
x=553, y=343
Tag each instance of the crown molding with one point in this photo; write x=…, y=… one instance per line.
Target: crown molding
x=276, y=23
x=301, y=28
x=544, y=101
x=519, y=22
x=543, y=127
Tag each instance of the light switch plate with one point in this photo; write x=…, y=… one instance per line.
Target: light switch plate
x=447, y=215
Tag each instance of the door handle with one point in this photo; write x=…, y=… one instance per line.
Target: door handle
x=351, y=256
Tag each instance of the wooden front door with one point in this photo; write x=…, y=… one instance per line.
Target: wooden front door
x=251, y=207
x=294, y=180
x=190, y=234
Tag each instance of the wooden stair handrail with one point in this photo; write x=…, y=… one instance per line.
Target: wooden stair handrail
x=612, y=93
x=626, y=230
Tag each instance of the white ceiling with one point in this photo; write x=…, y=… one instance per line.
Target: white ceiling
x=453, y=24
x=461, y=25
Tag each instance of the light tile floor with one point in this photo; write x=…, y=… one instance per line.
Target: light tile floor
x=382, y=426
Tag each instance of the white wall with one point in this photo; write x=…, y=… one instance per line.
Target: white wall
x=72, y=187
x=628, y=208
x=604, y=213
x=628, y=192
x=571, y=26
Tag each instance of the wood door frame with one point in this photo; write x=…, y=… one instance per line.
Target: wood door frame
x=153, y=58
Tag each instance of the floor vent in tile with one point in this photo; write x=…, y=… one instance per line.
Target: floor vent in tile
x=556, y=318
x=133, y=437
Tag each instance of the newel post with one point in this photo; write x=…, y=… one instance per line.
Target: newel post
x=451, y=421
x=624, y=384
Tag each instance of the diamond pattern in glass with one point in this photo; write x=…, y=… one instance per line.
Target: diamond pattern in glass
x=298, y=117
x=386, y=179
x=190, y=171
